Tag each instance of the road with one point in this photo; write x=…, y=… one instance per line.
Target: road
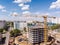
x=7, y=38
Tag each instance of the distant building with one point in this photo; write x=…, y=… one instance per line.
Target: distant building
x=20, y=25
x=16, y=24
x=2, y=24
x=56, y=20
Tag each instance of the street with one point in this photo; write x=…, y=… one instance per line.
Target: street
x=7, y=38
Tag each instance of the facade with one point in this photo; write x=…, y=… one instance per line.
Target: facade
x=2, y=24
x=20, y=25
x=16, y=24
x=56, y=20
x=36, y=34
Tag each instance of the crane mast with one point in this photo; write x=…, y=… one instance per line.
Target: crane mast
x=45, y=29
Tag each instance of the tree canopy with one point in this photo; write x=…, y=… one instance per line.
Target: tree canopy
x=1, y=30
x=15, y=32
x=56, y=26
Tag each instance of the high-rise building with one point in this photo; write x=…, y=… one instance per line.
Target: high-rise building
x=20, y=25
x=36, y=34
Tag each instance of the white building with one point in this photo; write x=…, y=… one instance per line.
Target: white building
x=20, y=25
x=56, y=20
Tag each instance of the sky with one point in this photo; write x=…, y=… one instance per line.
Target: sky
x=30, y=7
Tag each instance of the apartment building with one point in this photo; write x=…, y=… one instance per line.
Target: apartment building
x=20, y=25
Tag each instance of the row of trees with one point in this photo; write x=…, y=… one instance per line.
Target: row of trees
x=55, y=26
x=13, y=33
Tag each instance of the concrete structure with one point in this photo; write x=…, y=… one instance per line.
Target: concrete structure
x=36, y=34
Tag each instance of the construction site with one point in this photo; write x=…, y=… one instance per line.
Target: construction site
x=39, y=34
x=33, y=32
x=29, y=22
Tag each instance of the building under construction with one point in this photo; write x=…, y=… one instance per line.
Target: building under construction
x=36, y=34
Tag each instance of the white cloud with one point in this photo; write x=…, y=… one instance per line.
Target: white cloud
x=21, y=1
x=2, y=7
x=47, y=14
x=40, y=13
x=14, y=14
x=18, y=1
x=55, y=5
x=21, y=5
x=4, y=10
x=37, y=13
x=25, y=7
x=26, y=13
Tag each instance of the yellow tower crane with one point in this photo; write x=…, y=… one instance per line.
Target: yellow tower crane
x=45, y=25
x=46, y=28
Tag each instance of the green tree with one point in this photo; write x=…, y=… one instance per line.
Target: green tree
x=56, y=26
x=1, y=30
x=15, y=32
